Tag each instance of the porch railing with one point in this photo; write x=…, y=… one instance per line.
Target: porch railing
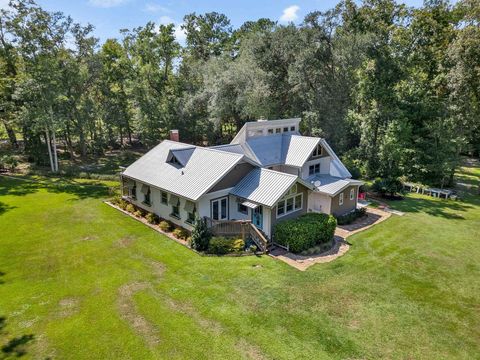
x=241, y=228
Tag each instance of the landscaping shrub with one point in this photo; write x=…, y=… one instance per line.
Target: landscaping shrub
x=116, y=200
x=351, y=216
x=8, y=162
x=130, y=208
x=305, y=231
x=220, y=246
x=122, y=204
x=138, y=213
x=388, y=186
x=201, y=235
x=165, y=226
x=152, y=218
x=181, y=233
x=238, y=245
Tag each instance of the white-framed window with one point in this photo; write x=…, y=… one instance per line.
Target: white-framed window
x=133, y=191
x=145, y=189
x=292, y=128
x=340, y=199
x=318, y=151
x=164, y=198
x=242, y=209
x=314, y=169
x=285, y=129
x=219, y=208
x=278, y=130
x=352, y=194
x=289, y=204
x=270, y=131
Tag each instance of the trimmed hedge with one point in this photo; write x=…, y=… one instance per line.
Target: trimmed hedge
x=351, y=216
x=305, y=231
x=220, y=245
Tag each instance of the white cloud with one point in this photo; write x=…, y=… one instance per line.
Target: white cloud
x=3, y=4
x=154, y=8
x=290, y=14
x=180, y=34
x=107, y=3
x=165, y=20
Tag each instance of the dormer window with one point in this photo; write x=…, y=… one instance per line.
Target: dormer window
x=318, y=151
x=278, y=131
x=174, y=161
x=270, y=131
x=285, y=129
x=292, y=128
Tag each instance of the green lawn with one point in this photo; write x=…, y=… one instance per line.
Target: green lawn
x=79, y=280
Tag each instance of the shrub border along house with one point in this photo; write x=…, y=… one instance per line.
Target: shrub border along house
x=305, y=232
x=350, y=217
x=208, y=245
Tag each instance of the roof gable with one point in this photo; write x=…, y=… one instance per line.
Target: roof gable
x=264, y=186
x=191, y=180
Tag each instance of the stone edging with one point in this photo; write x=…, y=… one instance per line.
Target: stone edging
x=340, y=247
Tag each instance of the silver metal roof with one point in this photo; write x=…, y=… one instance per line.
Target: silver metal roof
x=286, y=149
x=296, y=149
x=267, y=149
x=331, y=185
x=233, y=148
x=264, y=186
x=203, y=168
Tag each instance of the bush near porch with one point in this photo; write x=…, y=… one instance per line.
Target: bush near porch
x=304, y=232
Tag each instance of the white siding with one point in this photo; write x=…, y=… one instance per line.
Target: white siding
x=267, y=216
x=316, y=199
x=324, y=166
x=204, y=201
x=160, y=209
x=234, y=214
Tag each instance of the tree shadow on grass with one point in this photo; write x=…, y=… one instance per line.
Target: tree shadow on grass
x=17, y=187
x=81, y=191
x=448, y=209
x=5, y=207
x=16, y=346
x=22, y=187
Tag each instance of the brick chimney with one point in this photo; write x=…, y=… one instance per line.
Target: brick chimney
x=174, y=135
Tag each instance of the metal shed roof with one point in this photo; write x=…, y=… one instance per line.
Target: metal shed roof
x=264, y=186
x=331, y=185
x=204, y=167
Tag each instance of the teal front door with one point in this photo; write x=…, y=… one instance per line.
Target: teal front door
x=257, y=217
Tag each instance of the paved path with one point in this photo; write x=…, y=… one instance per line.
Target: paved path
x=341, y=246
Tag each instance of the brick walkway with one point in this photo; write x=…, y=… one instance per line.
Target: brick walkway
x=341, y=246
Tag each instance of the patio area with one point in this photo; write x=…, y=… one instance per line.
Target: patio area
x=341, y=245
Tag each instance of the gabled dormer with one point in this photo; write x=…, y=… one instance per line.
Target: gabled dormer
x=180, y=157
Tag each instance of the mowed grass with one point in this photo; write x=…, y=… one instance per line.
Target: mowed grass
x=80, y=280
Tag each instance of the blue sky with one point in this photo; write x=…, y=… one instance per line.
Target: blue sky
x=108, y=16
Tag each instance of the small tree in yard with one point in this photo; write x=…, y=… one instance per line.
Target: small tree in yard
x=387, y=186
x=201, y=235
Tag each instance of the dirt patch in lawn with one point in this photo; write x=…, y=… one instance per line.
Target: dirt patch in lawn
x=125, y=242
x=249, y=351
x=68, y=306
x=129, y=312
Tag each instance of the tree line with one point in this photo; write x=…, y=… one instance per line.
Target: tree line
x=394, y=89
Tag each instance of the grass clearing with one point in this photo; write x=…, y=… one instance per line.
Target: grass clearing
x=407, y=288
